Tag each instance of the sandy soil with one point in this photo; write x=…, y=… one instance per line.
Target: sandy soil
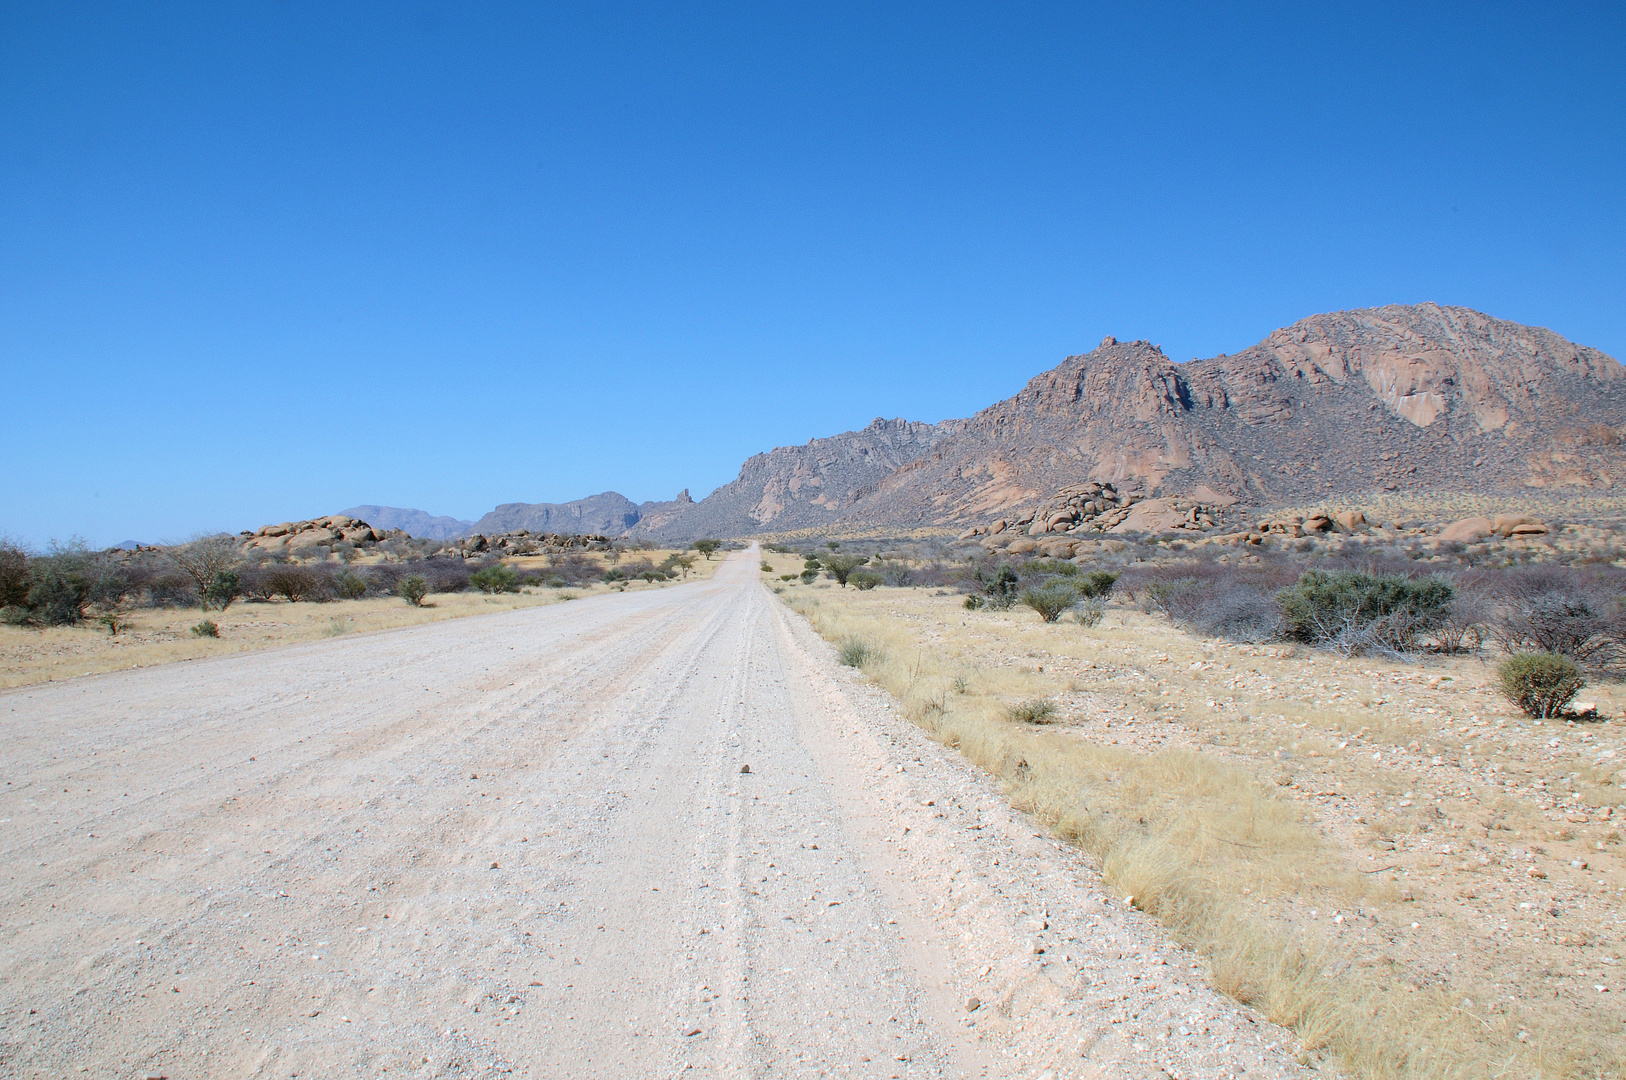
x=525, y=843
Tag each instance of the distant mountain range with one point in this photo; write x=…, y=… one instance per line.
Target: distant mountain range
x=416, y=522
x=1416, y=397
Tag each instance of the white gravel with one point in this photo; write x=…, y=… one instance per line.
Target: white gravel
x=523, y=844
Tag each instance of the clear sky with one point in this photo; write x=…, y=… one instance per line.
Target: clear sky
x=262, y=261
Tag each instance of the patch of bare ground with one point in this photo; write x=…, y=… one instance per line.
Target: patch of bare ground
x=1382, y=856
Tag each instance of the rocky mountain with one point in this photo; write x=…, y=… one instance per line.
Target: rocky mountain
x=415, y=522
x=1421, y=397
x=808, y=486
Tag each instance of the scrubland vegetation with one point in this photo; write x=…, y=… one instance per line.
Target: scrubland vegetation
x=1351, y=784
x=70, y=610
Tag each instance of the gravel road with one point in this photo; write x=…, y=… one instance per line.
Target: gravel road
x=526, y=843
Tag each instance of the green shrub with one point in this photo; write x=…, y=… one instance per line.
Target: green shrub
x=206, y=628
x=413, y=589
x=973, y=602
x=1096, y=583
x=498, y=579
x=14, y=615
x=114, y=621
x=1542, y=684
x=1037, y=711
x=767, y=567
x=1090, y=611
x=787, y=577
x=1051, y=599
x=58, y=596
x=1354, y=612
x=865, y=579
x=706, y=547
x=615, y=574
x=226, y=586
x=14, y=581
x=350, y=586
x=652, y=575
x=809, y=576
x=855, y=652
x=999, y=587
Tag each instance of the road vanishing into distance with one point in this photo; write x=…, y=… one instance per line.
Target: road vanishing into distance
x=528, y=844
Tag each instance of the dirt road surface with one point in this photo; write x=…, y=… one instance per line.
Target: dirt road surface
x=526, y=844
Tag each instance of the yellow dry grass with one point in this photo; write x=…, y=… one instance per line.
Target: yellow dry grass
x=163, y=635
x=1232, y=792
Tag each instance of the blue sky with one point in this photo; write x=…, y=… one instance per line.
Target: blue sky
x=262, y=261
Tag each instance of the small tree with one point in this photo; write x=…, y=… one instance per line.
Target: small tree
x=706, y=547
x=413, y=589
x=1542, y=684
x=842, y=566
x=203, y=558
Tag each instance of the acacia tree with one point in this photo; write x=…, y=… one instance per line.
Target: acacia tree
x=841, y=566
x=205, y=559
x=706, y=547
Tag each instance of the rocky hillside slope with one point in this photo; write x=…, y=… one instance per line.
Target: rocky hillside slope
x=1417, y=397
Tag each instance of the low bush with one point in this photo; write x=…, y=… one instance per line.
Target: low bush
x=1051, y=599
x=865, y=579
x=58, y=596
x=496, y=578
x=999, y=585
x=412, y=588
x=14, y=581
x=1096, y=583
x=206, y=628
x=350, y=586
x=809, y=576
x=1354, y=612
x=973, y=602
x=1541, y=684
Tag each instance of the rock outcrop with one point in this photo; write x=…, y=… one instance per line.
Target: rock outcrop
x=305, y=537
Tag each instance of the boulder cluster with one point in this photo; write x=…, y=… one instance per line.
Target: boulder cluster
x=305, y=536
x=525, y=542
x=1080, y=508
